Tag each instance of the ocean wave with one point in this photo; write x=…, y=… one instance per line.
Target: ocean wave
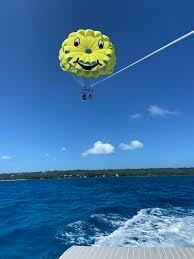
x=154, y=227
x=13, y=180
x=149, y=227
x=88, y=231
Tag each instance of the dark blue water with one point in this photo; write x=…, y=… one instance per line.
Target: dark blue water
x=42, y=218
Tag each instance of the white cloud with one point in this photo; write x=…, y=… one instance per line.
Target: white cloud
x=63, y=149
x=100, y=148
x=5, y=157
x=135, y=116
x=155, y=110
x=134, y=144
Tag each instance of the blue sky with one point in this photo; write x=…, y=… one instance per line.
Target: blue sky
x=141, y=118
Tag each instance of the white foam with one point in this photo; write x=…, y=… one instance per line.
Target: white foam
x=153, y=227
x=89, y=231
x=149, y=227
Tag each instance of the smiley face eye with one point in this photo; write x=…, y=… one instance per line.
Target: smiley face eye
x=101, y=44
x=76, y=42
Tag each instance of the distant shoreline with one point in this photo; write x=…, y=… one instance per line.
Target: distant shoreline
x=97, y=173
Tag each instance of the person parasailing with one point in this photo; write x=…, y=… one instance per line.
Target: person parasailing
x=87, y=54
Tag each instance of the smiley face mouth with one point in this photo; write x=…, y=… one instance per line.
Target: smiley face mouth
x=87, y=67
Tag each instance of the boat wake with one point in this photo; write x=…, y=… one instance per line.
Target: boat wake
x=149, y=227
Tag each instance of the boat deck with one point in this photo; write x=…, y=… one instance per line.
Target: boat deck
x=95, y=252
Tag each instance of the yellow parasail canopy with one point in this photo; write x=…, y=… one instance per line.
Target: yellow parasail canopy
x=87, y=53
